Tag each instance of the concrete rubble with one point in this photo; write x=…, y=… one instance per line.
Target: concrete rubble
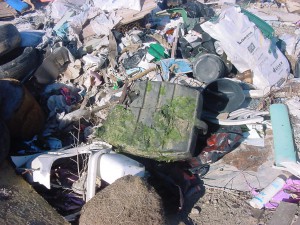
x=190, y=96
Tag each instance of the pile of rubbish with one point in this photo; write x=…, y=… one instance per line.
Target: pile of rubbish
x=90, y=93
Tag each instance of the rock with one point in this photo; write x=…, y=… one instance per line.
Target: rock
x=129, y=200
x=195, y=211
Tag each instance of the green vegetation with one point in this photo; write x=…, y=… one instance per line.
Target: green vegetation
x=149, y=87
x=171, y=125
x=162, y=90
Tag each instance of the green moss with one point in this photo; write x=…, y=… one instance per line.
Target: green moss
x=149, y=87
x=162, y=90
x=171, y=126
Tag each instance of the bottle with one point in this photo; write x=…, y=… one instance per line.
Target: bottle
x=268, y=192
x=218, y=48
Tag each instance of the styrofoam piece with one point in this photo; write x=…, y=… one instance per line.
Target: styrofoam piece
x=284, y=149
x=115, y=166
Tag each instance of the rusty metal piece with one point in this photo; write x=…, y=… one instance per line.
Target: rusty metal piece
x=174, y=46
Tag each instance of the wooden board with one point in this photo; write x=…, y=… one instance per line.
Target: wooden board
x=130, y=15
x=6, y=11
x=284, y=214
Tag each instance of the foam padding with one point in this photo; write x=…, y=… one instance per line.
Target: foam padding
x=284, y=148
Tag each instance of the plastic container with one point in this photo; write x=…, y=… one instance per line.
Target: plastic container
x=268, y=193
x=114, y=166
x=223, y=95
x=219, y=50
x=141, y=129
x=208, y=67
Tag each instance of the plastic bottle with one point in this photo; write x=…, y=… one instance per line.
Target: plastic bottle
x=268, y=193
x=218, y=48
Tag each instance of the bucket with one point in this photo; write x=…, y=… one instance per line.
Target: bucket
x=208, y=67
x=223, y=95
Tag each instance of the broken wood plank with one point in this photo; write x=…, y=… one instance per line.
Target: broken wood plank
x=284, y=214
x=130, y=15
x=6, y=11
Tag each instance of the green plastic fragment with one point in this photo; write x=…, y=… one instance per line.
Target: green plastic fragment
x=181, y=11
x=158, y=52
x=189, y=23
x=264, y=27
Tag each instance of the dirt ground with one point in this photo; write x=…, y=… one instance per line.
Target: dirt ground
x=219, y=206
x=20, y=204
x=134, y=204
x=129, y=200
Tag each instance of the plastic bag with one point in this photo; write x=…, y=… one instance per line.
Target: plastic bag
x=247, y=48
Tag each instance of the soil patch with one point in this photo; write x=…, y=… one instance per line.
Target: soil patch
x=129, y=200
x=250, y=158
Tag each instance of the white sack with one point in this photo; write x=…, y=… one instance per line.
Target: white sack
x=247, y=48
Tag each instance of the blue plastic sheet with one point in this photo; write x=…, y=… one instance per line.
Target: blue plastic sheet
x=17, y=5
x=178, y=66
x=31, y=38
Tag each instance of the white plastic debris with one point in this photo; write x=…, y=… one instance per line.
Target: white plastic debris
x=253, y=137
x=60, y=7
x=268, y=192
x=103, y=23
x=114, y=166
x=41, y=165
x=238, y=117
x=92, y=60
x=110, y=5
x=291, y=44
x=103, y=163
